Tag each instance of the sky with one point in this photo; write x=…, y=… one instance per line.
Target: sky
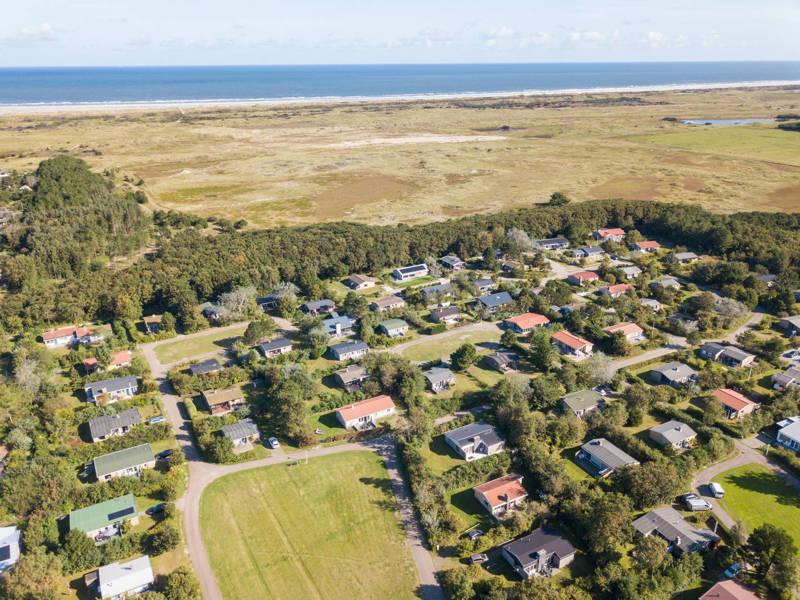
x=244, y=32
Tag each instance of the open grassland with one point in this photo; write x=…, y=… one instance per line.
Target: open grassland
x=326, y=530
x=386, y=162
x=187, y=348
x=444, y=346
x=755, y=495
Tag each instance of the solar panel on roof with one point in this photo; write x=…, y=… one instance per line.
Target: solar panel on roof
x=121, y=513
x=5, y=552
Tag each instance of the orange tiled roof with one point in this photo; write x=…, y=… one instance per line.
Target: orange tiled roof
x=365, y=407
x=570, y=339
x=647, y=244
x=528, y=320
x=732, y=399
x=611, y=231
x=503, y=489
x=626, y=328
x=619, y=287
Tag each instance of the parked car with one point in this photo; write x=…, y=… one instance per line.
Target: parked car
x=474, y=534
x=478, y=559
x=156, y=420
x=716, y=490
x=273, y=443
x=165, y=453
x=154, y=510
x=695, y=502
x=732, y=571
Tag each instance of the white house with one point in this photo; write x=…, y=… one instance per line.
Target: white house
x=789, y=433
x=124, y=580
x=500, y=495
x=9, y=547
x=410, y=273
x=365, y=414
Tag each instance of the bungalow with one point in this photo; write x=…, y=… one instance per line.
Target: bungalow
x=631, y=271
x=129, y=462
x=475, y=440
x=453, y=263
x=588, y=252
x=276, y=347
x=365, y=414
x=791, y=376
x=581, y=278
x=209, y=365
x=103, y=521
x=153, y=323
x=242, y=432
x=633, y=333
x=644, y=247
x=410, y=273
x=394, y=327
x=652, y=304
x=789, y=433
x=730, y=589
x=383, y=305
x=338, y=326
x=318, y=307
x=210, y=311
x=483, y=285
x=111, y=390
x=676, y=434
x=9, y=547
x=501, y=495
x=680, y=535
x=439, y=379
x=352, y=350
x=90, y=365
x=267, y=302
x=571, y=344
x=601, y=458
x=674, y=374
x=67, y=336
x=351, y=377
x=447, y=315
x=224, y=401
x=120, y=360
x=685, y=320
x=615, y=291
x=433, y=291
x=102, y=428
x=767, y=278
x=502, y=361
x=509, y=266
x=582, y=402
x=117, y=581
x=538, y=553
x=791, y=324
x=727, y=355
x=557, y=243
x=494, y=302
x=359, y=282
x=686, y=257
x=614, y=234
x=525, y=323
x=665, y=283
x=736, y=406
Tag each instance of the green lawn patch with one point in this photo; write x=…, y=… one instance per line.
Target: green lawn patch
x=413, y=282
x=440, y=457
x=324, y=530
x=204, y=344
x=463, y=504
x=444, y=346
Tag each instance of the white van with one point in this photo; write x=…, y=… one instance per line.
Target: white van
x=716, y=490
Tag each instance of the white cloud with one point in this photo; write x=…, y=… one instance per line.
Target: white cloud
x=587, y=36
x=503, y=32
x=656, y=39
x=38, y=33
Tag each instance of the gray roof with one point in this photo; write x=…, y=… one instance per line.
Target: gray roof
x=686, y=255
x=667, y=282
x=589, y=250
x=275, y=344
x=352, y=373
x=608, y=454
x=317, y=304
x=500, y=359
x=108, y=386
x=712, y=349
x=482, y=282
x=349, y=346
x=412, y=269
x=539, y=543
x=466, y=435
x=649, y=302
x=123, y=459
x=792, y=430
x=451, y=260
x=102, y=426
x=630, y=269
x=240, y=429
x=675, y=371
x=438, y=374
x=582, y=400
x=205, y=366
x=670, y=525
x=442, y=288
x=675, y=431
x=447, y=311
x=495, y=300
x=552, y=241
x=793, y=320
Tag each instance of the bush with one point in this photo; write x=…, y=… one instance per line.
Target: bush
x=166, y=537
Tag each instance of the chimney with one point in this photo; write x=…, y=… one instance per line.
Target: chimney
x=338, y=328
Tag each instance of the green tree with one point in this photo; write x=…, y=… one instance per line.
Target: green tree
x=168, y=321
x=773, y=554
x=464, y=357
x=650, y=553
x=166, y=537
x=181, y=585
x=36, y=576
x=258, y=330
x=220, y=450
x=508, y=339
x=78, y=552
x=558, y=199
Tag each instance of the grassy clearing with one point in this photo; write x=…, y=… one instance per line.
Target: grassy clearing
x=328, y=530
x=439, y=456
x=444, y=346
x=204, y=344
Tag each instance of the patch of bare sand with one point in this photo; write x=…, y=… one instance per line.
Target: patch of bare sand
x=786, y=199
x=693, y=184
x=632, y=188
x=417, y=139
x=337, y=201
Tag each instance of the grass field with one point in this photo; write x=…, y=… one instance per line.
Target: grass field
x=327, y=530
x=755, y=495
x=204, y=344
x=444, y=346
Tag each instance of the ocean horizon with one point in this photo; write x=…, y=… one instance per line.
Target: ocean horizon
x=76, y=86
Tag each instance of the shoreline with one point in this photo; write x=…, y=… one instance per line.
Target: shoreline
x=115, y=106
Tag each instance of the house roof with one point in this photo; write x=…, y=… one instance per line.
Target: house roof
x=495, y=300
x=793, y=320
x=317, y=304
x=365, y=408
x=103, y=514
x=570, y=339
x=630, y=269
x=412, y=269
x=390, y=324
x=359, y=279
x=589, y=250
x=275, y=344
x=712, y=349
x=343, y=321
x=467, y=434
x=791, y=430
x=110, y=385
x=669, y=524
x=540, y=542
x=205, y=366
x=451, y=260
x=675, y=371
x=228, y=394
x=647, y=244
x=59, y=333
x=737, y=353
x=240, y=429
x=438, y=374
x=102, y=426
x=675, y=431
x=649, y=302
x=349, y=346
x=610, y=231
x=666, y=282
x=581, y=400
x=482, y=282
x=447, y=311
x=152, y=319
x=500, y=359
x=732, y=399
x=790, y=375
x=626, y=328
x=729, y=589
x=550, y=241
x=608, y=453
x=120, y=358
x=686, y=255
x=122, y=459
x=388, y=301
x=442, y=288
x=502, y=490
x=528, y=320
x=118, y=578
x=90, y=363
x=352, y=373
x=585, y=275
x=616, y=288
x=9, y=546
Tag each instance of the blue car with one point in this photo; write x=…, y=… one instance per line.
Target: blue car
x=732, y=571
x=157, y=420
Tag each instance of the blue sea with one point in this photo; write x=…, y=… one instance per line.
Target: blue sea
x=126, y=85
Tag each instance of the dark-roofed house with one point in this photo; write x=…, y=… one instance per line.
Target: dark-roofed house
x=538, y=553
x=442, y=289
x=588, y=252
x=483, y=285
x=221, y=402
x=791, y=376
x=687, y=321
x=453, y=263
x=359, y=282
x=383, y=305
x=475, y=440
x=681, y=536
x=209, y=365
x=153, y=323
x=267, y=302
x=242, y=432
x=351, y=377
x=101, y=522
x=601, y=458
x=666, y=283
x=496, y=301
x=394, y=327
x=439, y=379
x=276, y=347
x=686, y=257
x=582, y=402
x=318, y=307
x=352, y=350
x=791, y=324
x=102, y=428
x=674, y=433
x=338, y=326
x=111, y=390
x=502, y=361
x=499, y=496
x=447, y=315
x=557, y=243
x=674, y=374
x=410, y=272
x=129, y=462
x=727, y=355
x=509, y=266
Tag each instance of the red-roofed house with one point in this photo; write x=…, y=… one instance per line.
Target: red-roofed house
x=736, y=406
x=500, y=495
x=615, y=291
x=364, y=414
x=571, y=344
x=66, y=336
x=729, y=590
x=648, y=246
x=581, y=278
x=613, y=233
x=90, y=365
x=525, y=323
x=120, y=359
x=633, y=333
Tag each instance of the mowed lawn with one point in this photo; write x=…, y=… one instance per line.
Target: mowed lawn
x=325, y=530
x=755, y=495
x=187, y=348
x=445, y=345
